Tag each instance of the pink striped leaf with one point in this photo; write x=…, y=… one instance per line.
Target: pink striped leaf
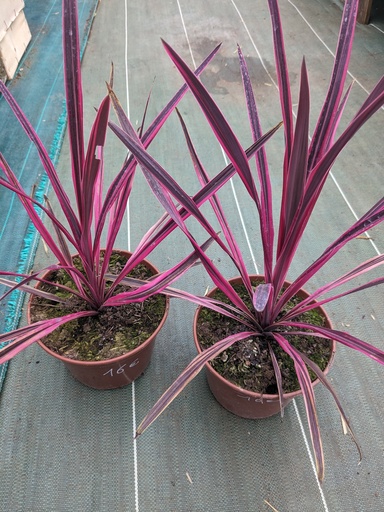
x=309, y=401
x=190, y=372
x=25, y=336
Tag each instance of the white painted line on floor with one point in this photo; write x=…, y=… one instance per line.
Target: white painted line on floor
x=242, y=219
x=377, y=28
x=365, y=90
x=254, y=45
x=186, y=34
x=135, y=465
x=127, y=107
x=354, y=213
x=133, y=389
x=310, y=455
x=326, y=46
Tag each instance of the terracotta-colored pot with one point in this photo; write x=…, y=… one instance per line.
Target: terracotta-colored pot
x=239, y=401
x=116, y=372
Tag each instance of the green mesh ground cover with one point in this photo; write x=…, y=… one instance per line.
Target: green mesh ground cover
x=38, y=87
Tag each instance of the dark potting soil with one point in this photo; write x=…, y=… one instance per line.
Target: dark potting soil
x=248, y=363
x=112, y=332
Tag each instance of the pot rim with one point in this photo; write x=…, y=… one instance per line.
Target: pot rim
x=253, y=394
x=121, y=357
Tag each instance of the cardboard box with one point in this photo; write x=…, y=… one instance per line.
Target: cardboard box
x=13, y=45
x=9, y=11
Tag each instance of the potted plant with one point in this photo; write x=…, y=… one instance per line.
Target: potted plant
x=264, y=324
x=81, y=311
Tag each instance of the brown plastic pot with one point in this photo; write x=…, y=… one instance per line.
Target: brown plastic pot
x=239, y=401
x=116, y=372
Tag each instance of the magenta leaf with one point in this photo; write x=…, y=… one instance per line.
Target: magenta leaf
x=73, y=93
x=266, y=215
x=331, y=104
x=279, y=378
x=194, y=367
x=234, y=251
x=342, y=337
x=219, y=125
x=25, y=336
x=309, y=401
x=322, y=378
x=297, y=168
x=283, y=78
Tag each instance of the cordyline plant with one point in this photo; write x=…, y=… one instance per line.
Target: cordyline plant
x=94, y=212
x=305, y=169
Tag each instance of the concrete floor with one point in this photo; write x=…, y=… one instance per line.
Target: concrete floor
x=68, y=448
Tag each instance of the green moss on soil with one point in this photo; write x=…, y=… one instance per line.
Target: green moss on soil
x=112, y=332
